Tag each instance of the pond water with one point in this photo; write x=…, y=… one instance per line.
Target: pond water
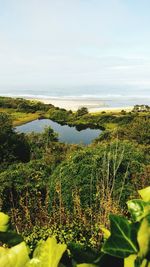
x=66, y=133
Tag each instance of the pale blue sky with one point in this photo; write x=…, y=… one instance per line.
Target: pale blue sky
x=68, y=43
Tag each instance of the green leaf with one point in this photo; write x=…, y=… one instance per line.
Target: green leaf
x=141, y=263
x=138, y=209
x=145, y=193
x=86, y=265
x=4, y=220
x=130, y=261
x=106, y=260
x=16, y=256
x=48, y=254
x=143, y=237
x=122, y=241
x=10, y=238
x=145, y=263
x=105, y=231
x=34, y=263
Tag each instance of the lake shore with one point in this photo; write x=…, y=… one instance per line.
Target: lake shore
x=93, y=105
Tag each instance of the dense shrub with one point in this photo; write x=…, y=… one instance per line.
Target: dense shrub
x=24, y=192
x=13, y=146
x=96, y=178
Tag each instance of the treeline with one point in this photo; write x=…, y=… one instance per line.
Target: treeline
x=138, y=130
x=24, y=105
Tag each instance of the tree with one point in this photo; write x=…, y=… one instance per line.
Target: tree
x=13, y=146
x=5, y=125
x=82, y=111
x=49, y=135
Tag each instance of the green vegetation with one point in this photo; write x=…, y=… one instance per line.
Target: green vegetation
x=23, y=111
x=127, y=244
x=67, y=191
x=130, y=239
x=13, y=147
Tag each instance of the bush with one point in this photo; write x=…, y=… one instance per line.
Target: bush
x=81, y=111
x=13, y=146
x=95, y=178
x=127, y=245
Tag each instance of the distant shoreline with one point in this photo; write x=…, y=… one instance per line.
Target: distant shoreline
x=93, y=105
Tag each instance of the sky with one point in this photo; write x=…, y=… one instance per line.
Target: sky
x=75, y=43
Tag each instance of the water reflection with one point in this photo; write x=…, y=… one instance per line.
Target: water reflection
x=66, y=134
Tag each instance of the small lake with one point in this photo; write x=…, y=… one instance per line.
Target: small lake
x=66, y=134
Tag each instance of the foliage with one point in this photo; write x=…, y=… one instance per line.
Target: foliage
x=75, y=234
x=16, y=256
x=13, y=146
x=141, y=108
x=67, y=191
x=4, y=219
x=81, y=111
x=60, y=115
x=35, y=109
x=129, y=241
x=122, y=241
x=90, y=173
x=138, y=130
x=132, y=237
x=23, y=105
x=47, y=253
x=45, y=146
x=22, y=187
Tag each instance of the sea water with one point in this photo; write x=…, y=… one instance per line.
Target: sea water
x=111, y=96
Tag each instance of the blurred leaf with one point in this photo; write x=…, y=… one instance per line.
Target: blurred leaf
x=143, y=237
x=81, y=254
x=10, y=238
x=145, y=193
x=130, y=261
x=16, y=256
x=145, y=263
x=34, y=263
x=109, y=261
x=4, y=220
x=105, y=231
x=122, y=241
x=86, y=265
x=138, y=209
x=47, y=254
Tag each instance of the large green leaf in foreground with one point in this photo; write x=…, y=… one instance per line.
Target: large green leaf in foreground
x=130, y=261
x=16, y=256
x=145, y=193
x=138, y=209
x=122, y=241
x=86, y=265
x=47, y=254
x=4, y=220
x=144, y=237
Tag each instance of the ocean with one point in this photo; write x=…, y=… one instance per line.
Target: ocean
x=110, y=96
